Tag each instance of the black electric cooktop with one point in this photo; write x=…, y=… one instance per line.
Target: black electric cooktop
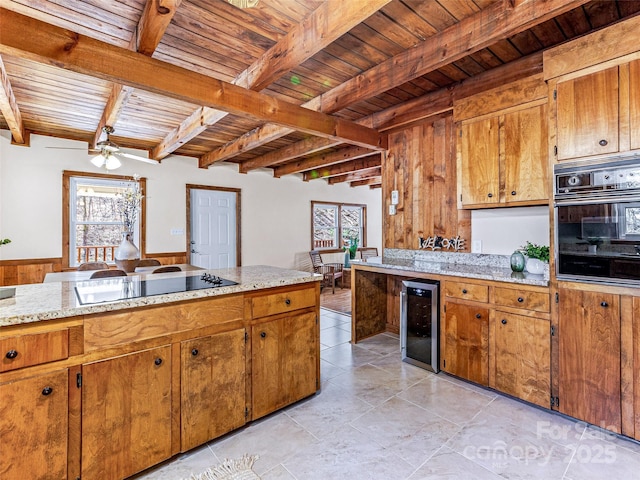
x=123, y=288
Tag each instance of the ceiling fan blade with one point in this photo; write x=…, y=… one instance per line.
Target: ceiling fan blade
x=136, y=157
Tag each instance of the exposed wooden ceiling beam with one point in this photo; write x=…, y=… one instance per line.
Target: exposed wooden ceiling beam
x=331, y=158
x=356, y=176
x=428, y=105
x=154, y=21
x=371, y=161
x=328, y=22
x=29, y=38
x=496, y=22
x=372, y=182
x=9, y=107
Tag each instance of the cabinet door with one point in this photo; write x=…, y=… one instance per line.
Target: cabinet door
x=522, y=358
x=479, y=151
x=212, y=387
x=126, y=414
x=467, y=342
x=587, y=115
x=284, y=365
x=525, y=135
x=589, y=357
x=34, y=415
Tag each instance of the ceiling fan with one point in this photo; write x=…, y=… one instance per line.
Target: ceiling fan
x=110, y=153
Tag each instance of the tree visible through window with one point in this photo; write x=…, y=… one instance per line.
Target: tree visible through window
x=95, y=226
x=337, y=225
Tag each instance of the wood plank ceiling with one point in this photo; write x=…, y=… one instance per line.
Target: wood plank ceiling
x=297, y=86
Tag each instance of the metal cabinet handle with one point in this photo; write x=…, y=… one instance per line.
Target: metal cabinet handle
x=520, y=299
x=489, y=195
x=11, y=354
x=504, y=321
x=287, y=302
x=604, y=304
x=464, y=290
x=478, y=315
x=603, y=143
x=263, y=334
x=158, y=361
x=513, y=192
x=47, y=391
x=194, y=352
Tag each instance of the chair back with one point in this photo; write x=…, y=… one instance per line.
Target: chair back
x=368, y=252
x=316, y=260
x=92, y=266
x=149, y=262
x=108, y=273
x=168, y=268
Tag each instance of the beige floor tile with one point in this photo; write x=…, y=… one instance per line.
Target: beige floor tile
x=411, y=432
x=383, y=344
x=346, y=355
x=277, y=473
x=334, y=336
x=394, y=365
x=182, y=466
x=449, y=400
x=449, y=465
x=369, y=383
x=328, y=370
x=328, y=411
x=331, y=320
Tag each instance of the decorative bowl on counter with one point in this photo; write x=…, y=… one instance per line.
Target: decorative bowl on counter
x=535, y=266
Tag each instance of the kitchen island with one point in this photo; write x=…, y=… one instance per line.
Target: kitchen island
x=109, y=389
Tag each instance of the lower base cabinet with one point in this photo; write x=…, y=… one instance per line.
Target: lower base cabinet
x=466, y=338
x=212, y=387
x=520, y=357
x=126, y=414
x=34, y=416
x=284, y=361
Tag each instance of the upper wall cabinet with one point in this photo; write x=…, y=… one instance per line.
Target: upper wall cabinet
x=502, y=146
x=594, y=92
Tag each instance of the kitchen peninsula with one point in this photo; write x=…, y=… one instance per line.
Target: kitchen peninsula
x=109, y=389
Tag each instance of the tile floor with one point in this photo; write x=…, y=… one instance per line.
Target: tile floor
x=381, y=419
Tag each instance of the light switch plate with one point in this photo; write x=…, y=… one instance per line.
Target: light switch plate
x=392, y=209
x=394, y=197
x=476, y=246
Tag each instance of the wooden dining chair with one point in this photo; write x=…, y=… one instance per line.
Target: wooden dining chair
x=168, y=268
x=108, y=273
x=92, y=266
x=149, y=262
x=330, y=271
x=368, y=252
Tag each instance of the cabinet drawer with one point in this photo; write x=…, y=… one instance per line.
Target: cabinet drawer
x=283, y=302
x=467, y=291
x=26, y=350
x=518, y=298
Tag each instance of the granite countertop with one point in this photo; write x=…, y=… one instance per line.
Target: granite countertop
x=47, y=301
x=478, y=266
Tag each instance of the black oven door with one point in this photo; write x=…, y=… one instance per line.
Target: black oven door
x=597, y=242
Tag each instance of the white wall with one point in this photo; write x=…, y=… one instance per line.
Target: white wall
x=503, y=230
x=276, y=213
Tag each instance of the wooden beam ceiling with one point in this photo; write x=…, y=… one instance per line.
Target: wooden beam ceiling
x=372, y=182
x=325, y=160
x=9, y=108
x=365, y=163
x=25, y=37
x=359, y=175
x=154, y=21
x=329, y=21
x=496, y=22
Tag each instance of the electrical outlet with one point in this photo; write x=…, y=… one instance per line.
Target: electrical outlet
x=476, y=246
x=394, y=197
x=392, y=209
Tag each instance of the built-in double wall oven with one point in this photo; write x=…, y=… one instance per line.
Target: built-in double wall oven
x=597, y=221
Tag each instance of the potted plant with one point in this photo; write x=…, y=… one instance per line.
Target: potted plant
x=6, y=292
x=537, y=256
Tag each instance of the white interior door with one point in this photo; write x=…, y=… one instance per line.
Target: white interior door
x=213, y=228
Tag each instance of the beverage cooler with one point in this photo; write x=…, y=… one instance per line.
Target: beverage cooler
x=420, y=323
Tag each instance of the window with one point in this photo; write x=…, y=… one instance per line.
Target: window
x=336, y=225
x=630, y=220
x=92, y=224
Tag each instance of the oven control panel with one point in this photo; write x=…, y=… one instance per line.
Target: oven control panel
x=606, y=179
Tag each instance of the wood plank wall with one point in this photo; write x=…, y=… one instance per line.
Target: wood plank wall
x=421, y=166
x=33, y=270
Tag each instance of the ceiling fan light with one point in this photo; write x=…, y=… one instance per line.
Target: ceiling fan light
x=244, y=3
x=98, y=160
x=111, y=162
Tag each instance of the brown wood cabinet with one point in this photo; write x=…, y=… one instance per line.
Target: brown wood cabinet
x=34, y=426
x=284, y=362
x=521, y=357
x=466, y=338
x=589, y=349
x=126, y=414
x=212, y=386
